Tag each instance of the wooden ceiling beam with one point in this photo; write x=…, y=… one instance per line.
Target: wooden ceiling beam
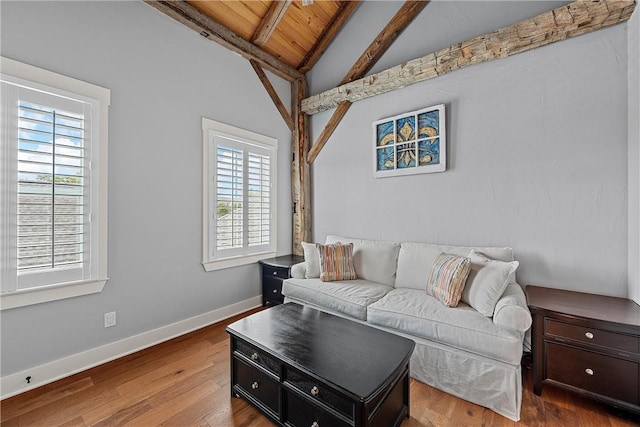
x=401, y=20
x=188, y=15
x=273, y=94
x=574, y=19
x=270, y=21
x=329, y=33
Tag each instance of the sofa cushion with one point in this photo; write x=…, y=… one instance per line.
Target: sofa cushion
x=373, y=260
x=415, y=261
x=414, y=312
x=350, y=297
x=336, y=262
x=311, y=260
x=447, y=278
x=487, y=281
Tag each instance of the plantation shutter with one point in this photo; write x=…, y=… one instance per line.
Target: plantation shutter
x=48, y=144
x=259, y=199
x=229, y=196
x=243, y=197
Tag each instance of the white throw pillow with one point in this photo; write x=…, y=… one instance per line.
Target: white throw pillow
x=373, y=260
x=486, y=282
x=311, y=260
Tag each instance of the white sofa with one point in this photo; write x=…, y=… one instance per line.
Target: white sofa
x=458, y=350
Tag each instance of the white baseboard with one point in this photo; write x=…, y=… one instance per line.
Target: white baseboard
x=14, y=384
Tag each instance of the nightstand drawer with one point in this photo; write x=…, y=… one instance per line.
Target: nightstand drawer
x=302, y=412
x=593, y=372
x=592, y=336
x=257, y=384
x=279, y=272
x=259, y=357
x=272, y=289
x=318, y=391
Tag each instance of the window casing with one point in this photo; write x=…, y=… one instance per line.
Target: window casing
x=54, y=186
x=239, y=218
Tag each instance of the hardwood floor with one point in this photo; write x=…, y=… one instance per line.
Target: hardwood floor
x=185, y=382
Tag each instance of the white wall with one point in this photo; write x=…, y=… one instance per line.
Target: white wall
x=537, y=150
x=163, y=78
x=633, y=48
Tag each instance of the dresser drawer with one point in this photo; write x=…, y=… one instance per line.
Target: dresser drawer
x=301, y=412
x=592, y=336
x=257, y=384
x=259, y=357
x=318, y=391
x=593, y=372
x=279, y=272
x=272, y=289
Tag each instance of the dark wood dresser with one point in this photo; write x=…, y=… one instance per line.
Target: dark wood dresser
x=303, y=367
x=588, y=344
x=274, y=272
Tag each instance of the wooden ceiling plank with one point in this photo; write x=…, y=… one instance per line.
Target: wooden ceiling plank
x=401, y=20
x=270, y=21
x=330, y=32
x=273, y=94
x=541, y=30
x=212, y=30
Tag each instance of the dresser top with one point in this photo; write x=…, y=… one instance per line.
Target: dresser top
x=591, y=306
x=284, y=261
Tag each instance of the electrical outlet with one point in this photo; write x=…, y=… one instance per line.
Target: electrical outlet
x=110, y=319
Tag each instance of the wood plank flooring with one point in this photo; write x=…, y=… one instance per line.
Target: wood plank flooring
x=185, y=382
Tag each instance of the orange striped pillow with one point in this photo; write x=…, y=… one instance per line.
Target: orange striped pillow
x=447, y=278
x=336, y=262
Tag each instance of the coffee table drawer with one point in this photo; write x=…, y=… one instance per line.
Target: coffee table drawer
x=257, y=384
x=259, y=357
x=303, y=413
x=318, y=391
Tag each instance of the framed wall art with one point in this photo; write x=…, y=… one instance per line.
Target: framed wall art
x=410, y=143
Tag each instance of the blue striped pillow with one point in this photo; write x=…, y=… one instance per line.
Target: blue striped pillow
x=447, y=278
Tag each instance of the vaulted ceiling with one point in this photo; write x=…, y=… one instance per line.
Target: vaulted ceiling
x=292, y=32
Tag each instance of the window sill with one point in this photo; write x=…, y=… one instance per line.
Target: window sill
x=50, y=293
x=236, y=261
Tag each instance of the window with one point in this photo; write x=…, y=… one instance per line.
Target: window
x=239, y=196
x=53, y=189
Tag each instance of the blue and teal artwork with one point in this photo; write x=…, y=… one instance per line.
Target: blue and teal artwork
x=411, y=143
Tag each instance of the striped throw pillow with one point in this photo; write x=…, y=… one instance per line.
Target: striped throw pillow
x=336, y=262
x=447, y=278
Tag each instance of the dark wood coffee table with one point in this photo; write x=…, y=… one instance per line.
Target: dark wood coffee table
x=303, y=367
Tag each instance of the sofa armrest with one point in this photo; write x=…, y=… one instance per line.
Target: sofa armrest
x=512, y=311
x=299, y=270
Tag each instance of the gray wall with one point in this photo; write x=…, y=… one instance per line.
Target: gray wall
x=537, y=148
x=163, y=78
x=633, y=76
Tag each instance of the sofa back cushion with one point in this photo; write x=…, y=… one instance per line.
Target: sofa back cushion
x=415, y=261
x=373, y=260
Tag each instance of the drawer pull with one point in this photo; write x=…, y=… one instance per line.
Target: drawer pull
x=315, y=424
x=254, y=356
x=275, y=291
x=255, y=385
x=315, y=391
x=275, y=273
x=589, y=371
x=589, y=335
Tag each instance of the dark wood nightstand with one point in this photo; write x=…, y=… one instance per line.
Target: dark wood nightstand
x=274, y=271
x=588, y=344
